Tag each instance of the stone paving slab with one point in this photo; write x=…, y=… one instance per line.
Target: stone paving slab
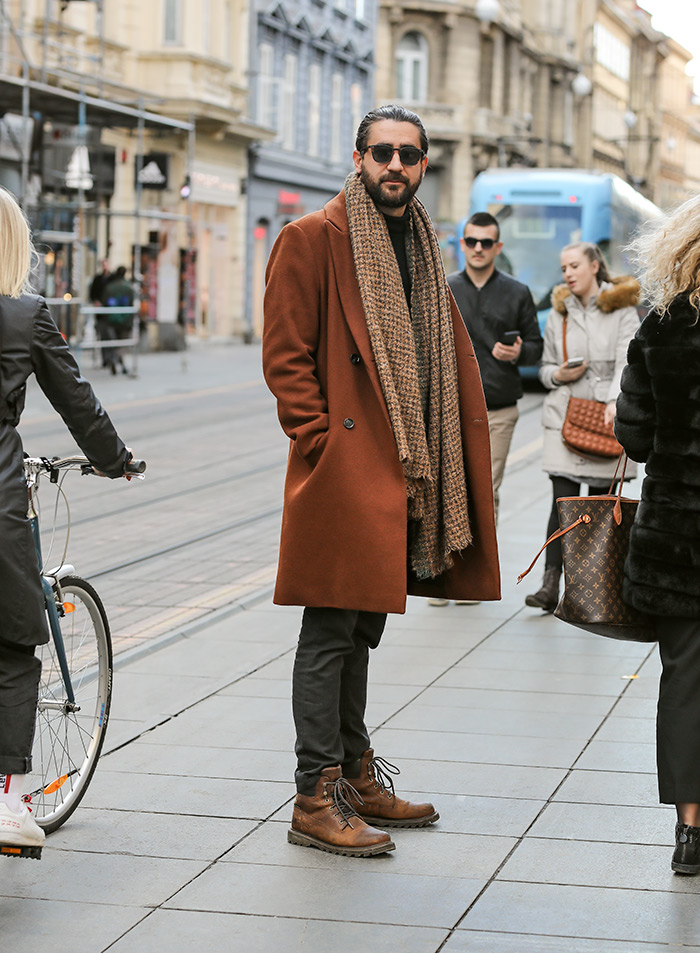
x=602, y=914
x=180, y=931
x=609, y=787
x=82, y=927
x=606, y=822
x=619, y=756
x=222, y=797
x=595, y=864
x=476, y=941
x=494, y=699
x=498, y=749
x=245, y=764
x=381, y=895
x=144, y=833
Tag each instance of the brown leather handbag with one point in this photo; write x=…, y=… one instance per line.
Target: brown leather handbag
x=585, y=431
x=594, y=533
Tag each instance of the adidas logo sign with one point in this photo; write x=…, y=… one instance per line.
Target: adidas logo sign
x=151, y=175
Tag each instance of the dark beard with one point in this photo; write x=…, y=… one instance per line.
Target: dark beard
x=388, y=199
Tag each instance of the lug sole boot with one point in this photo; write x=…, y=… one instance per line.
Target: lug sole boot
x=547, y=597
x=686, y=856
x=380, y=805
x=328, y=820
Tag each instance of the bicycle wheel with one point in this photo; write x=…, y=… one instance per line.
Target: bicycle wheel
x=69, y=737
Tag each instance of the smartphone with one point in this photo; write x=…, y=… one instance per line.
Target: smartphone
x=574, y=362
x=509, y=337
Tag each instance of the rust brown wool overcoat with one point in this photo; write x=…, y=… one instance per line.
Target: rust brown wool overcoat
x=344, y=526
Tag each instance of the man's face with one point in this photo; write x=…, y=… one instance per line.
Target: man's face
x=478, y=257
x=391, y=184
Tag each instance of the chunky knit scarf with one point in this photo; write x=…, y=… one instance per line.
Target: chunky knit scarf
x=415, y=354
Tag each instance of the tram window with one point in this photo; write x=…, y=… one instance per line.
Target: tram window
x=533, y=236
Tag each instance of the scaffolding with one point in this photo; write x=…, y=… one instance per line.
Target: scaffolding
x=47, y=78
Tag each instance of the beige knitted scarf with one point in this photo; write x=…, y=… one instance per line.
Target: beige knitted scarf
x=426, y=425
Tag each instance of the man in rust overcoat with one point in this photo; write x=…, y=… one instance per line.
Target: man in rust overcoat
x=388, y=488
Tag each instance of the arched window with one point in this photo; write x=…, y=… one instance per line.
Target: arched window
x=412, y=67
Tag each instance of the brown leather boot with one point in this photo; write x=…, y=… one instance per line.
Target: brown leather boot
x=381, y=805
x=330, y=822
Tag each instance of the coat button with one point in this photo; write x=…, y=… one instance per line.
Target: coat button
x=355, y=358
x=348, y=423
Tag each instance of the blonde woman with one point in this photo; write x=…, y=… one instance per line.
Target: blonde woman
x=30, y=343
x=658, y=423
x=597, y=314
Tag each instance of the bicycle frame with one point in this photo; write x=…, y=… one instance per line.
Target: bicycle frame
x=49, y=597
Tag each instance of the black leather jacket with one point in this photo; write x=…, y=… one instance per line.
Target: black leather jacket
x=30, y=343
x=503, y=304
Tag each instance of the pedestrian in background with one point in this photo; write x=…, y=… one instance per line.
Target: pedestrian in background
x=501, y=319
x=30, y=343
x=118, y=292
x=658, y=423
x=388, y=487
x=96, y=293
x=599, y=316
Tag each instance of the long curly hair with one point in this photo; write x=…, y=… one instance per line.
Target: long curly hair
x=667, y=255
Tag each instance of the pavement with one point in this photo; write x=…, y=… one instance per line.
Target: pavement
x=534, y=740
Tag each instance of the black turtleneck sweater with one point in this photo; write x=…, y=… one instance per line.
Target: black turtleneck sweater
x=397, y=225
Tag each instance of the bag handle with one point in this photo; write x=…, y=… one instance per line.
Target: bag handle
x=563, y=340
x=617, y=513
x=560, y=532
x=617, y=509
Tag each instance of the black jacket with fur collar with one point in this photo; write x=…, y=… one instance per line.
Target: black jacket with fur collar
x=658, y=422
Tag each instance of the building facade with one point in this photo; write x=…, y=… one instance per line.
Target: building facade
x=311, y=74
x=147, y=166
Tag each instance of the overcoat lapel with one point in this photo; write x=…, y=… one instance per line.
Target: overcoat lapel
x=349, y=290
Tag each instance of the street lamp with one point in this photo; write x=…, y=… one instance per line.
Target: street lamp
x=581, y=85
x=487, y=10
x=630, y=119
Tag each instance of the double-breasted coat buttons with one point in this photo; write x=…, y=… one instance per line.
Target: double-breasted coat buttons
x=348, y=423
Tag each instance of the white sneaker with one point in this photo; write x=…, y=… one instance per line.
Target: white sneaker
x=20, y=835
x=438, y=602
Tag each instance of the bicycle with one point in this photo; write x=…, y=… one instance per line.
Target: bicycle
x=76, y=679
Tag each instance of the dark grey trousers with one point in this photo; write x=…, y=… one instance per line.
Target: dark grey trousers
x=20, y=671
x=678, y=713
x=329, y=689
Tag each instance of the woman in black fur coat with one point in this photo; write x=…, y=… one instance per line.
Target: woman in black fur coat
x=658, y=423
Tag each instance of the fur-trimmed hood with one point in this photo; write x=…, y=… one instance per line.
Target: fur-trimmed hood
x=622, y=292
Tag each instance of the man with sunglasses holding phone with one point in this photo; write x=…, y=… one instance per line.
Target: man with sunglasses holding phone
x=501, y=318
x=388, y=488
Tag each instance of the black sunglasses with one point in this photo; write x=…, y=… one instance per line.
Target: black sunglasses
x=383, y=153
x=486, y=243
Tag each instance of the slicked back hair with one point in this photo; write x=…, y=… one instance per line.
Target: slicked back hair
x=396, y=114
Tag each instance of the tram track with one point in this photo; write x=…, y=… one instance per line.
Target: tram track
x=176, y=494
x=191, y=541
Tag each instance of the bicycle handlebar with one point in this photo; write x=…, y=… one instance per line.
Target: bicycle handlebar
x=135, y=467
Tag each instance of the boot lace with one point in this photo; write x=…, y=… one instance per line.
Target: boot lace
x=381, y=771
x=342, y=796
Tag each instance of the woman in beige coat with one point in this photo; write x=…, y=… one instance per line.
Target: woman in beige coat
x=599, y=316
